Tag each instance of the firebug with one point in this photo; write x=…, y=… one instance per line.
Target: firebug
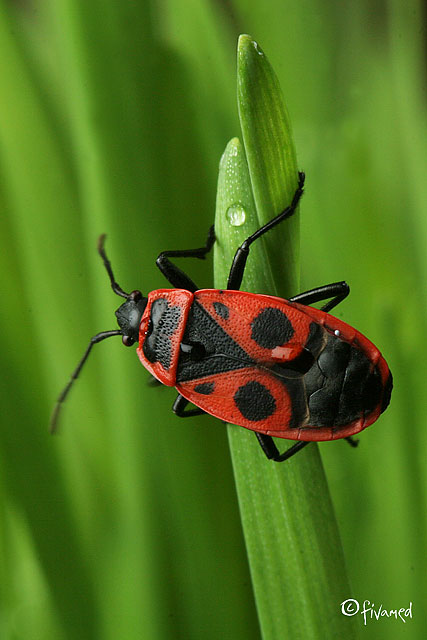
x=277, y=367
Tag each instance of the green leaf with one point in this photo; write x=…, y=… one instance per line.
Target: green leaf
x=271, y=156
x=293, y=545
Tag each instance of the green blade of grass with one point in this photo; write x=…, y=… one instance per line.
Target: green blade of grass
x=293, y=545
x=271, y=157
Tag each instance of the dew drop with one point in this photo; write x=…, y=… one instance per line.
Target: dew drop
x=236, y=215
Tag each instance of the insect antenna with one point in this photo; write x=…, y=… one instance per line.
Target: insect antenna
x=53, y=424
x=107, y=264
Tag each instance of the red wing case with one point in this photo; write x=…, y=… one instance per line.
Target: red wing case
x=280, y=368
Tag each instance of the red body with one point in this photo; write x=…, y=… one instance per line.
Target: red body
x=261, y=359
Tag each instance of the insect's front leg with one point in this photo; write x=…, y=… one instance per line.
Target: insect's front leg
x=240, y=258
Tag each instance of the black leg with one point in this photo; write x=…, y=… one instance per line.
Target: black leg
x=174, y=274
x=337, y=291
x=272, y=452
x=179, y=405
x=352, y=442
x=239, y=262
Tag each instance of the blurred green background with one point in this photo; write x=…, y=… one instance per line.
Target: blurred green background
x=113, y=117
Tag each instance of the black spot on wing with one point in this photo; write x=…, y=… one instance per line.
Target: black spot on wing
x=221, y=309
x=254, y=401
x=271, y=328
x=206, y=388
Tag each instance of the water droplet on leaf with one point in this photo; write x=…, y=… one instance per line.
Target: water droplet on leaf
x=236, y=215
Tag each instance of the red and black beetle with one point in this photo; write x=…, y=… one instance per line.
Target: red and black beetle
x=278, y=367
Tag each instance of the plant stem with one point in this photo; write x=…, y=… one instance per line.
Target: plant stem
x=292, y=539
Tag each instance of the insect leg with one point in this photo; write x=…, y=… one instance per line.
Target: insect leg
x=272, y=452
x=174, y=274
x=239, y=262
x=179, y=405
x=337, y=291
x=352, y=442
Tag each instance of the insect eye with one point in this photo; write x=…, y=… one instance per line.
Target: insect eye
x=128, y=341
x=149, y=328
x=135, y=296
